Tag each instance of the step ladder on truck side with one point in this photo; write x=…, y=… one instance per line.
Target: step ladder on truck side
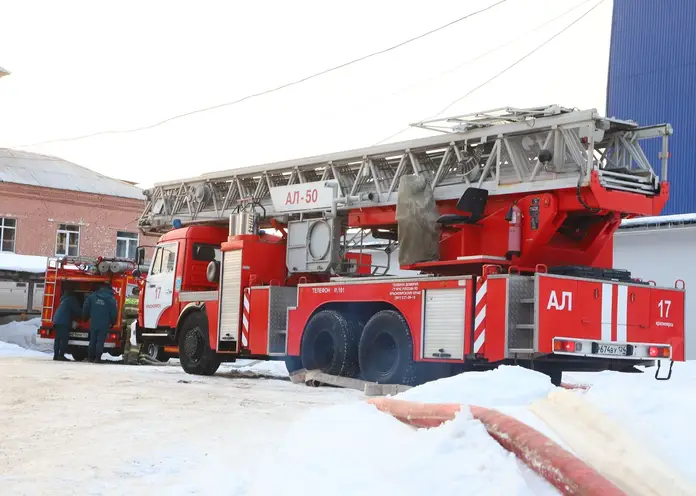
x=49, y=289
x=525, y=191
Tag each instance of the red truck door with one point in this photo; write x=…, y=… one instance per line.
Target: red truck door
x=159, y=286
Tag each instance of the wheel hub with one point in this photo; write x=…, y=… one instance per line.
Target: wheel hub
x=152, y=351
x=193, y=345
x=385, y=354
x=324, y=350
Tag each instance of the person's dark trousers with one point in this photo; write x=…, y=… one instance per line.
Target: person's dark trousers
x=96, y=345
x=60, y=343
x=92, y=348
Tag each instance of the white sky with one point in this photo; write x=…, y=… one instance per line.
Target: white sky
x=80, y=66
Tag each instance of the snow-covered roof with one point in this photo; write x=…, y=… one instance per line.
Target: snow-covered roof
x=21, y=167
x=22, y=263
x=658, y=221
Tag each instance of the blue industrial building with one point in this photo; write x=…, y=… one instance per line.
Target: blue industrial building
x=652, y=79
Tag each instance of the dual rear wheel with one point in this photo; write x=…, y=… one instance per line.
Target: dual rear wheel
x=380, y=351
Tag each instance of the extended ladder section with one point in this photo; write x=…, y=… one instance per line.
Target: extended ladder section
x=505, y=151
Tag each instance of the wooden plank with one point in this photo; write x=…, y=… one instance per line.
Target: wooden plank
x=317, y=378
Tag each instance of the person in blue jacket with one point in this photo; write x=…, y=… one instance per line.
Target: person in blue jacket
x=68, y=310
x=101, y=310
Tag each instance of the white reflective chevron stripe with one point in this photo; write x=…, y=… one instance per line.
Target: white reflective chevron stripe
x=245, y=320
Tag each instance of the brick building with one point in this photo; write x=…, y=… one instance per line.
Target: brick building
x=49, y=206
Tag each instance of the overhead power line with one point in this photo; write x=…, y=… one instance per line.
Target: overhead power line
x=497, y=75
x=498, y=47
x=272, y=90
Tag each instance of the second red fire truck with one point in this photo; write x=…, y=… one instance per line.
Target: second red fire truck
x=505, y=219
x=82, y=276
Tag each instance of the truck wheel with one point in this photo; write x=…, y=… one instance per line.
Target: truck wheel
x=330, y=344
x=195, y=354
x=386, y=350
x=293, y=364
x=156, y=352
x=78, y=353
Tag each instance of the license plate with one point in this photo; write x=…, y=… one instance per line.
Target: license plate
x=613, y=349
x=78, y=334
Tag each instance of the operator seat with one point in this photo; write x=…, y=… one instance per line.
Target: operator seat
x=474, y=201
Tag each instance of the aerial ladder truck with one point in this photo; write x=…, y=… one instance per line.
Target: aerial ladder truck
x=505, y=218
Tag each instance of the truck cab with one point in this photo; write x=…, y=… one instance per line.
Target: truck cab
x=178, y=268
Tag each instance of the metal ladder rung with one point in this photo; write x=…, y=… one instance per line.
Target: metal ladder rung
x=521, y=350
x=526, y=327
x=527, y=300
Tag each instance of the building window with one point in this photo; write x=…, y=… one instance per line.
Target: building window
x=68, y=240
x=8, y=231
x=126, y=244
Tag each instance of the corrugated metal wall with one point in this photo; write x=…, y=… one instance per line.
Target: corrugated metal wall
x=652, y=79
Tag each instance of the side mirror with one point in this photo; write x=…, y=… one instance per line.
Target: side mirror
x=136, y=273
x=140, y=255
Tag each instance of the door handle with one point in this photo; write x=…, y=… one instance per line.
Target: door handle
x=153, y=285
x=169, y=291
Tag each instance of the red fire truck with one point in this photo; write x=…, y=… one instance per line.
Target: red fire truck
x=83, y=275
x=505, y=218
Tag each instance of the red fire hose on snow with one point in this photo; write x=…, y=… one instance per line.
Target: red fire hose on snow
x=567, y=473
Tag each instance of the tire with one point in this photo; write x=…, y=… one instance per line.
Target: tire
x=156, y=352
x=195, y=354
x=386, y=350
x=78, y=353
x=293, y=363
x=330, y=344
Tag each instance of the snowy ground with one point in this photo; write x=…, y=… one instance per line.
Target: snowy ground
x=78, y=428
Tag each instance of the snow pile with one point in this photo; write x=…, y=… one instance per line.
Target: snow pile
x=658, y=220
x=270, y=368
x=508, y=389
x=356, y=450
x=659, y=414
x=23, y=334
x=23, y=263
x=506, y=386
x=8, y=350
